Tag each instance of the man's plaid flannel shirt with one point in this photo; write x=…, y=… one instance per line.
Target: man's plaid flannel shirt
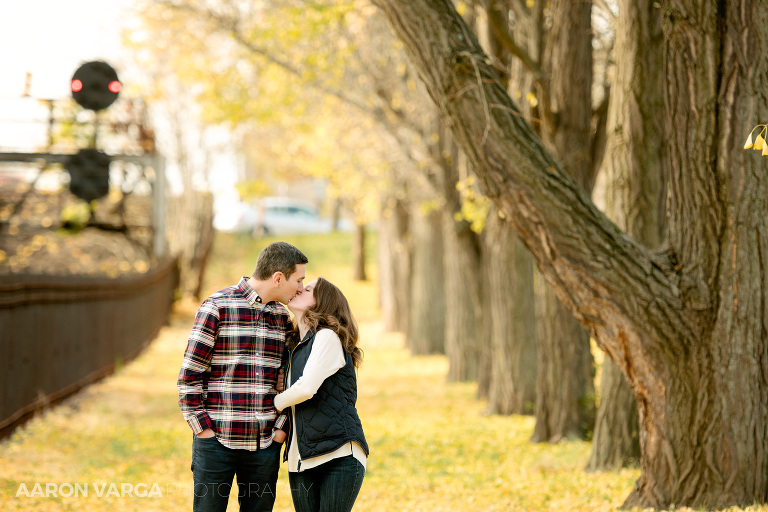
x=229, y=374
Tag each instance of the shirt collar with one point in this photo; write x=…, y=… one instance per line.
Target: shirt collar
x=250, y=294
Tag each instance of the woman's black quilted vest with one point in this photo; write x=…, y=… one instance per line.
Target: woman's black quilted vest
x=329, y=419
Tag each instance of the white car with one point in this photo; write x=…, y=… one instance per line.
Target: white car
x=283, y=215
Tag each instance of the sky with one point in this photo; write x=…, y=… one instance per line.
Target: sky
x=51, y=38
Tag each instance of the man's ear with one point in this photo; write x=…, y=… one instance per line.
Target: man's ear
x=277, y=277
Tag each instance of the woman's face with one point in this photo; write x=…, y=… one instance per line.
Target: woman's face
x=305, y=300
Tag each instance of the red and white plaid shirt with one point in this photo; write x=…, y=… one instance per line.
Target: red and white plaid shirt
x=229, y=374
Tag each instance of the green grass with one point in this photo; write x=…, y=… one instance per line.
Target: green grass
x=432, y=448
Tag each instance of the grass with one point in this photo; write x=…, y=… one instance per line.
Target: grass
x=432, y=449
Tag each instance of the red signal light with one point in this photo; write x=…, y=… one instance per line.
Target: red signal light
x=95, y=85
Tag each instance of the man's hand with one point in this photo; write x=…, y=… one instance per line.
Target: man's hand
x=206, y=434
x=279, y=436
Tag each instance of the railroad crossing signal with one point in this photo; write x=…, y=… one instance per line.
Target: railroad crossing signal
x=88, y=174
x=95, y=85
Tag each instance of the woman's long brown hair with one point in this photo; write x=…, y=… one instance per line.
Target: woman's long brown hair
x=332, y=311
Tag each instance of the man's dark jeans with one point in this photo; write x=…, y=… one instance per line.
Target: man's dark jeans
x=214, y=465
x=329, y=487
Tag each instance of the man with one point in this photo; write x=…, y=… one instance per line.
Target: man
x=228, y=382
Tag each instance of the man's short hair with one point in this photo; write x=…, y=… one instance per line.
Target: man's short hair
x=278, y=257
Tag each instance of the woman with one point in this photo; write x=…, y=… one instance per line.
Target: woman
x=327, y=451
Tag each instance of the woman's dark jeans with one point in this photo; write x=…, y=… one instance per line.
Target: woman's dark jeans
x=329, y=487
x=214, y=465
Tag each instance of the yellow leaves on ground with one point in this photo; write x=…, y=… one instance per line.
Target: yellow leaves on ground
x=432, y=446
x=759, y=144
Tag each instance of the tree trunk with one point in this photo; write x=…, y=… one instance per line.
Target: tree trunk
x=565, y=387
x=394, y=265
x=687, y=326
x=616, y=441
x=464, y=328
x=462, y=259
x=565, y=402
x=633, y=194
x=512, y=388
x=510, y=358
x=715, y=375
x=190, y=237
x=358, y=253
x=426, y=327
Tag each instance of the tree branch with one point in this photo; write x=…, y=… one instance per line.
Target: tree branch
x=600, y=136
x=499, y=28
x=606, y=278
x=383, y=113
x=230, y=25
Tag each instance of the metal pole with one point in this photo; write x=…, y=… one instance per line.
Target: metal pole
x=159, y=206
x=51, y=120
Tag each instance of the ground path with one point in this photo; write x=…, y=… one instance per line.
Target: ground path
x=432, y=448
x=124, y=442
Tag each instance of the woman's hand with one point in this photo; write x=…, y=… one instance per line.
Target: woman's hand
x=280, y=387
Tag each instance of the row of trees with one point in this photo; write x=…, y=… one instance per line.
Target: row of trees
x=684, y=321
x=474, y=190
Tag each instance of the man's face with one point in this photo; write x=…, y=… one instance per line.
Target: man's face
x=291, y=287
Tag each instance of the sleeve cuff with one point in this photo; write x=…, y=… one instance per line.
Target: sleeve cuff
x=280, y=422
x=199, y=422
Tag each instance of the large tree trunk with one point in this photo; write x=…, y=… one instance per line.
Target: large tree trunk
x=512, y=388
x=464, y=328
x=565, y=389
x=687, y=326
x=190, y=237
x=616, y=441
x=394, y=265
x=633, y=193
x=715, y=373
x=426, y=327
x=510, y=358
x=462, y=258
x=565, y=402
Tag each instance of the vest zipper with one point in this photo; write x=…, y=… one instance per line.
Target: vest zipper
x=291, y=432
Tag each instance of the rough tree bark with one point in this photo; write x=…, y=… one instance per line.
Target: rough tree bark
x=511, y=354
x=512, y=335
x=634, y=178
x=687, y=326
x=464, y=329
x=427, y=322
x=394, y=264
x=462, y=259
x=464, y=298
x=565, y=401
x=565, y=389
